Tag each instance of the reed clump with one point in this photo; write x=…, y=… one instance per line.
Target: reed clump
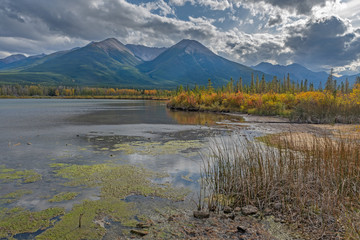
x=314, y=187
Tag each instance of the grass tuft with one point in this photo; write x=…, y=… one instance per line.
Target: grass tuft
x=313, y=183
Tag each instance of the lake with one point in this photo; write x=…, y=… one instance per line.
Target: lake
x=39, y=135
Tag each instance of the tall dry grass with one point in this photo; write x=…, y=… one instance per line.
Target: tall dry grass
x=312, y=183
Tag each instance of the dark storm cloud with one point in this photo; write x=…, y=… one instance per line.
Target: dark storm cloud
x=255, y=52
x=326, y=41
x=299, y=6
x=64, y=17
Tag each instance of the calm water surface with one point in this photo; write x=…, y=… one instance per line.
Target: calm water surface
x=35, y=133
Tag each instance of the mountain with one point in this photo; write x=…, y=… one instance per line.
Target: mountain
x=23, y=62
x=105, y=63
x=190, y=62
x=145, y=53
x=111, y=63
x=297, y=72
x=12, y=58
x=350, y=78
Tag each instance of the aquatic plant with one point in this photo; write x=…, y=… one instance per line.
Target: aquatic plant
x=17, y=220
x=14, y=196
x=158, y=148
x=24, y=176
x=118, y=181
x=87, y=220
x=64, y=196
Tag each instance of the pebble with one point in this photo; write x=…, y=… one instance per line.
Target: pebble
x=241, y=229
x=237, y=209
x=201, y=214
x=249, y=210
x=227, y=210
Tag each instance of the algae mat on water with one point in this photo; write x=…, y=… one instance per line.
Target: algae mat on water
x=116, y=182
x=14, y=196
x=159, y=148
x=17, y=220
x=64, y=196
x=87, y=219
x=23, y=176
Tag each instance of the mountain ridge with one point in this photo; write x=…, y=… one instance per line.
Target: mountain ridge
x=298, y=72
x=111, y=63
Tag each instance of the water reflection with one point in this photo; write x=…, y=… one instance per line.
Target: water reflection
x=202, y=118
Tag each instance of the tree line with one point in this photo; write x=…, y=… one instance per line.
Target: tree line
x=63, y=91
x=276, y=85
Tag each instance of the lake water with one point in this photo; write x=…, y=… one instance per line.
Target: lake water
x=36, y=133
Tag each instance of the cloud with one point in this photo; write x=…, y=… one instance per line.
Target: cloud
x=328, y=42
x=216, y=4
x=181, y=2
x=160, y=5
x=299, y=6
x=249, y=31
x=42, y=20
x=274, y=20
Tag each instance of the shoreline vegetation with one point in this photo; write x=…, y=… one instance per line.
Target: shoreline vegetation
x=63, y=92
x=334, y=104
x=310, y=183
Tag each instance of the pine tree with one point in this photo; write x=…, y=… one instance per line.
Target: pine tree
x=347, y=90
x=240, y=85
x=210, y=88
x=257, y=84
x=288, y=82
x=320, y=87
x=252, y=84
x=262, y=84
x=342, y=87
x=330, y=84
x=311, y=87
x=357, y=80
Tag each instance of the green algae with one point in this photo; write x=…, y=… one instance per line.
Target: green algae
x=24, y=176
x=64, y=196
x=118, y=181
x=17, y=220
x=14, y=196
x=158, y=148
x=92, y=220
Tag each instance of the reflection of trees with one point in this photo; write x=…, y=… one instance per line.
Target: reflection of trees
x=199, y=118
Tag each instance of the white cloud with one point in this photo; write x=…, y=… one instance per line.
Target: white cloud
x=181, y=2
x=160, y=5
x=216, y=4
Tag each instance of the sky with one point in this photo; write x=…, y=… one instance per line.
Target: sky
x=319, y=34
